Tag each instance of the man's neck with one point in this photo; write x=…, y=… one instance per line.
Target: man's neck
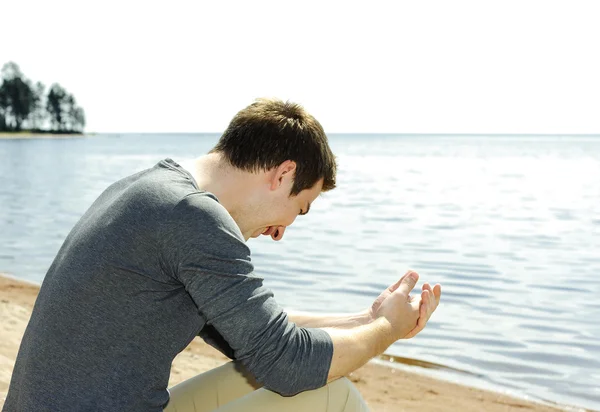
x=234, y=188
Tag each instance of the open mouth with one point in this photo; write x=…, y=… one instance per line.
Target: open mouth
x=269, y=231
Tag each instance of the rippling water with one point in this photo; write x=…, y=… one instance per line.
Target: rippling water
x=509, y=225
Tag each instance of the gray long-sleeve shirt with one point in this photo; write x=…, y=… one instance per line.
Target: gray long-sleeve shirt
x=151, y=264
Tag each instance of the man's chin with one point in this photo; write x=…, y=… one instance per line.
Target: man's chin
x=267, y=231
x=256, y=234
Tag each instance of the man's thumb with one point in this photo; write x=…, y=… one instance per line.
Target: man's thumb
x=408, y=283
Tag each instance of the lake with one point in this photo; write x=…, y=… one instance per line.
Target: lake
x=509, y=225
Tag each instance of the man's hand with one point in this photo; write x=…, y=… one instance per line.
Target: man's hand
x=430, y=299
x=408, y=315
x=394, y=315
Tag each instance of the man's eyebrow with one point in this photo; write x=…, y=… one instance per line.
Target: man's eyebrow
x=307, y=210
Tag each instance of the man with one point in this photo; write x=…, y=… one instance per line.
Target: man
x=160, y=257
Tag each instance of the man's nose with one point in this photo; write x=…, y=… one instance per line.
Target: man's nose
x=278, y=233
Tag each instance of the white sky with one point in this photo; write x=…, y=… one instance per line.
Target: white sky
x=382, y=66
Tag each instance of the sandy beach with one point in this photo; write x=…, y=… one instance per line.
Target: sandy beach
x=384, y=388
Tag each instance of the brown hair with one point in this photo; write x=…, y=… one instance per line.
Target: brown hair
x=271, y=131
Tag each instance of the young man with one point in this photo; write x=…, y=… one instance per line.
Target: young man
x=160, y=257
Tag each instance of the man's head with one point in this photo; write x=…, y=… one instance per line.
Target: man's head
x=268, y=132
x=282, y=141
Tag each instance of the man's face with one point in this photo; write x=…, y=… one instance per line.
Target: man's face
x=284, y=210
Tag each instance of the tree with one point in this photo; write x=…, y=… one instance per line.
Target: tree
x=22, y=103
x=54, y=105
x=17, y=98
x=78, y=116
x=3, y=110
x=65, y=115
x=75, y=118
x=39, y=115
x=4, y=107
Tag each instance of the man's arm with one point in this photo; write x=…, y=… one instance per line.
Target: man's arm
x=352, y=348
x=341, y=321
x=203, y=249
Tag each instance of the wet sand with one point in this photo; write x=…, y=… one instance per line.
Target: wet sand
x=385, y=388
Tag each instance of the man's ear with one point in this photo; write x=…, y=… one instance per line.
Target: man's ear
x=283, y=172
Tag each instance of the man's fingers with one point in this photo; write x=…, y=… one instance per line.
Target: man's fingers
x=408, y=283
x=416, y=302
x=424, y=309
x=437, y=292
x=397, y=284
x=418, y=328
x=426, y=297
x=432, y=304
x=426, y=302
x=420, y=306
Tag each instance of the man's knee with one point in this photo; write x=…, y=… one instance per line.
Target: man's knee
x=344, y=383
x=344, y=396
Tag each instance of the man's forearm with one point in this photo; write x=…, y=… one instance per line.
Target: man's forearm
x=341, y=321
x=354, y=347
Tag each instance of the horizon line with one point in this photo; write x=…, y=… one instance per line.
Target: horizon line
x=377, y=133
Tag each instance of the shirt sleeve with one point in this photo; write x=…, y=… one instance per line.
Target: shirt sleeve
x=210, y=258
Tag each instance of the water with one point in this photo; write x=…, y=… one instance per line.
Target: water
x=509, y=225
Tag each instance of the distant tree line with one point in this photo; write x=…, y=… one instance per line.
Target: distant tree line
x=27, y=106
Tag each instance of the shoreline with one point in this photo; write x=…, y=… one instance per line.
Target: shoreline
x=384, y=387
x=33, y=135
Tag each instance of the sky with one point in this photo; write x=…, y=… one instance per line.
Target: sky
x=459, y=66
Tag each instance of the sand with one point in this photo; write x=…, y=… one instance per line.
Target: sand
x=384, y=388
